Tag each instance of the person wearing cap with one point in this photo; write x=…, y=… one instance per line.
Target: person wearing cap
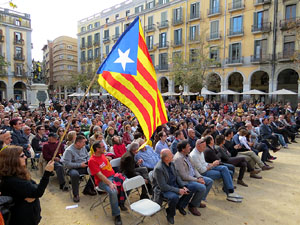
x=48, y=151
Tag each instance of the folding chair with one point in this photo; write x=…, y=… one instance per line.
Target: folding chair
x=69, y=183
x=144, y=207
x=100, y=200
x=115, y=164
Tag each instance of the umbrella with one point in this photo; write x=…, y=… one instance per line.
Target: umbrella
x=228, y=92
x=169, y=94
x=189, y=93
x=207, y=92
x=254, y=92
x=283, y=92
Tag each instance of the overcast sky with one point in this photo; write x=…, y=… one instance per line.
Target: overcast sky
x=53, y=18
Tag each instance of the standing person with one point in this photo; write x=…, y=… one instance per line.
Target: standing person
x=75, y=158
x=168, y=183
x=16, y=182
x=103, y=173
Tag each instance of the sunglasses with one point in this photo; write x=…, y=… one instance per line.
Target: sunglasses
x=22, y=155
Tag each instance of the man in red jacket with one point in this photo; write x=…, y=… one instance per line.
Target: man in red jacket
x=48, y=151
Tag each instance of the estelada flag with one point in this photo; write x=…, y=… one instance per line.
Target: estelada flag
x=129, y=75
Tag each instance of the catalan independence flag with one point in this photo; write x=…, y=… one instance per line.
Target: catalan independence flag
x=128, y=74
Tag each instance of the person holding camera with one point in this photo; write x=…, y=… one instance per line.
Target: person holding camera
x=17, y=183
x=76, y=158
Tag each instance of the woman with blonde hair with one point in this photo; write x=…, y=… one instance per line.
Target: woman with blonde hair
x=71, y=138
x=16, y=182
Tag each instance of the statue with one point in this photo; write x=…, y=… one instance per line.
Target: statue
x=37, y=72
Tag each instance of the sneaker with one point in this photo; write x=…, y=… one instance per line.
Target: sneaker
x=234, y=195
x=118, y=220
x=237, y=200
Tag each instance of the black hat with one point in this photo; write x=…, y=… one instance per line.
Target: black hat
x=53, y=135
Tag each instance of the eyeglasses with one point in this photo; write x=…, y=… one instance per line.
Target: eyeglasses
x=22, y=155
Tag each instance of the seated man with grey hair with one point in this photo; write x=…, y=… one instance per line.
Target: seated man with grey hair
x=130, y=168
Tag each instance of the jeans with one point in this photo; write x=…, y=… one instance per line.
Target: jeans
x=199, y=191
x=230, y=167
x=208, y=184
x=221, y=172
x=175, y=200
x=113, y=197
x=281, y=139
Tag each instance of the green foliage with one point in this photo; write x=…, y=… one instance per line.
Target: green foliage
x=3, y=65
x=82, y=80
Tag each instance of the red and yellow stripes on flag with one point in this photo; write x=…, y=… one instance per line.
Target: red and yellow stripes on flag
x=139, y=93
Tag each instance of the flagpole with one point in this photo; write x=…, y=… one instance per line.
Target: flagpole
x=73, y=115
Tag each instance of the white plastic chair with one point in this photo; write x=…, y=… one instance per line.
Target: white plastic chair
x=115, y=162
x=101, y=199
x=144, y=207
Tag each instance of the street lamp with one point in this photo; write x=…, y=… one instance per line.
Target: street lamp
x=181, y=89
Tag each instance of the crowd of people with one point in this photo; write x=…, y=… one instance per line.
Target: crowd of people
x=201, y=143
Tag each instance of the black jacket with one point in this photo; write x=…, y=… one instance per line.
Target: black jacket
x=24, y=213
x=20, y=139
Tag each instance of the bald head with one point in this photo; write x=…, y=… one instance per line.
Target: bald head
x=166, y=156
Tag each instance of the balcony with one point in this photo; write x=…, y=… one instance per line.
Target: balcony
x=236, y=5
x=163, y=24
x=194, y=39
x=89, y=44
x=177, y=21
x=82, y=60
x=261, y=2
x=1, y=38
x=213, y=36
x=90, y=59
x=162, y=67
x=289, y=23
x=106, y=39
x=260, y=59
x=195, y=16
x=163, y=45
x=18, y=42
x=286, y=55
x=82, y=46
x=115, y=37
x=96, y=42
x=177, y=43
x=215, y=63
x=19, y=57
x=21, y=73
x=234, y=61
x=214, y=11
x=261, y=28
x=150, y=47
x=235, y=33
x=150, y=28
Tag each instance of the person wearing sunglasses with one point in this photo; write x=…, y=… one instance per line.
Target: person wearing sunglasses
x=17, y=183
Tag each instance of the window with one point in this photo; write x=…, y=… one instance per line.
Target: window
x=127, y=12
x=61, y=67
x=139, y=9
x=107, y=49
x=117, y=31
x=214, y=29
x=107, y=20
x=177, y=55
x=152, y=59
x=83, y=55
x=236, y=25
x=18, y=38
x=177, y=15
x=89, y=41
x=90, y=26
x=194, y=33
x=289, y=46
x=97, y=38
x=69, y=47
x=61, y=46
x=258, y=20
x=161, y=2
x=193, y=55
x=164, y=18
x=90, y=54
x=97, y=24
x=290, y=12
x=61, y=56
x=257, y=49
x=214, y=7
x=150, y=5
x=83, y=42
x=149, y=42
x=214, y=53
x=106, y=34
x=18, y=22
x=83, y=69
x=150, y=22
x=126, y=25
x=163, y=40
x=235, y=52
x=178, y=37
x=117, y=16
x=70, y=67
x=70, y=57
x=97, y=53
x=195, y=10
x=237, y=4
x=19, y=69
x=19, y=52
x=163, y=61
x=82, y=29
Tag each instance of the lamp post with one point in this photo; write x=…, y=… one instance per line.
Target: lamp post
x=181, y=90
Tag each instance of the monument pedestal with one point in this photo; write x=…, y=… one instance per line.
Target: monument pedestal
x=37, y=95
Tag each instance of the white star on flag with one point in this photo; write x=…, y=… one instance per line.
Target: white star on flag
x=123, y=58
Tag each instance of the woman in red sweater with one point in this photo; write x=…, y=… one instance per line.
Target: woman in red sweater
x=119, y=148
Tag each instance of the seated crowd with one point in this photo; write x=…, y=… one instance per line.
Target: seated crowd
x=201, y=143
